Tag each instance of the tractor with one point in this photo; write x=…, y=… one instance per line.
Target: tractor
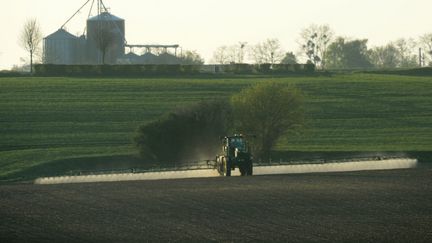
x=235, y=154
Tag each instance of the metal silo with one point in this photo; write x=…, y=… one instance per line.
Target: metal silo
x=60, y=48
x=105, y=31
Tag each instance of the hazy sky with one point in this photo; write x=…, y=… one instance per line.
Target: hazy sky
x=203, y=25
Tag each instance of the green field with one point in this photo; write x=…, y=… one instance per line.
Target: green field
x=52, y=125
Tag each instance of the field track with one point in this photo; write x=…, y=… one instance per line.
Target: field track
x=379, y=206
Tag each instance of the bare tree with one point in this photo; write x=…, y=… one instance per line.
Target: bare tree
x=104, y=39
x=230, y=54
x=407, y=52
x=397, y=54
x=269, y=51
x=234, y=54
x=385, y=56
x=425, y=42
x=220, y=55
x=30, y=39
x=314, y=41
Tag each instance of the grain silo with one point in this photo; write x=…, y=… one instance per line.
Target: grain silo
x=106, y=38
x=60, y=48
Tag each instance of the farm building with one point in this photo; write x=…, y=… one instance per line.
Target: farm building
x=103, y=43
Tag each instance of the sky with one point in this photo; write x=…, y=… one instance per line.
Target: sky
x=204, y=25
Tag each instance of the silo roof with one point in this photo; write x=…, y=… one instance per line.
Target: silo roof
x=105, y=16
x=61, y=34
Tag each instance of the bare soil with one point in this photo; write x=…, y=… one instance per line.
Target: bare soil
x=379, y=206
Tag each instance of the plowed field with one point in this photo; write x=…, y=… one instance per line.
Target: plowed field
x=393, y=206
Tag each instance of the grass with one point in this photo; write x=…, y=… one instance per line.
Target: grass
x=366, y=113
x=75, y=121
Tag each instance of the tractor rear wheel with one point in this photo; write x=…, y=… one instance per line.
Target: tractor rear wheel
x=227, y=167
x=249, y=168
x=243, y=170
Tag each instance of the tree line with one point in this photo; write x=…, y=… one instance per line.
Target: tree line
x=319, y=45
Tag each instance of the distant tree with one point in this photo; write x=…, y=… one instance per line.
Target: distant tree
x=398, y=54
x=220, y=55
x=357, y=54
x=335, y=57
x=233, y=54
x=267, y=110
x=230, y=54
x=425, y=42
x=290, y=58
x=30, y=39
x=314, y=41
x=407, y=53
x=269, y=51
x=104, y=38
x=385, y=56
x=191, y=58
x=343, y=54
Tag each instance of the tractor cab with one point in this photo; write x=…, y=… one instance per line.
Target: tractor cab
x=236, y=143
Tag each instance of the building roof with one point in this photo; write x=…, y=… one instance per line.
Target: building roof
x=61, y=34
x=105, y=16
x=166, y=54
x=131, y=55
x=148, y=55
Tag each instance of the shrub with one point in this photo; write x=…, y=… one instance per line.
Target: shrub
x=188, y=134
x=267, y=110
